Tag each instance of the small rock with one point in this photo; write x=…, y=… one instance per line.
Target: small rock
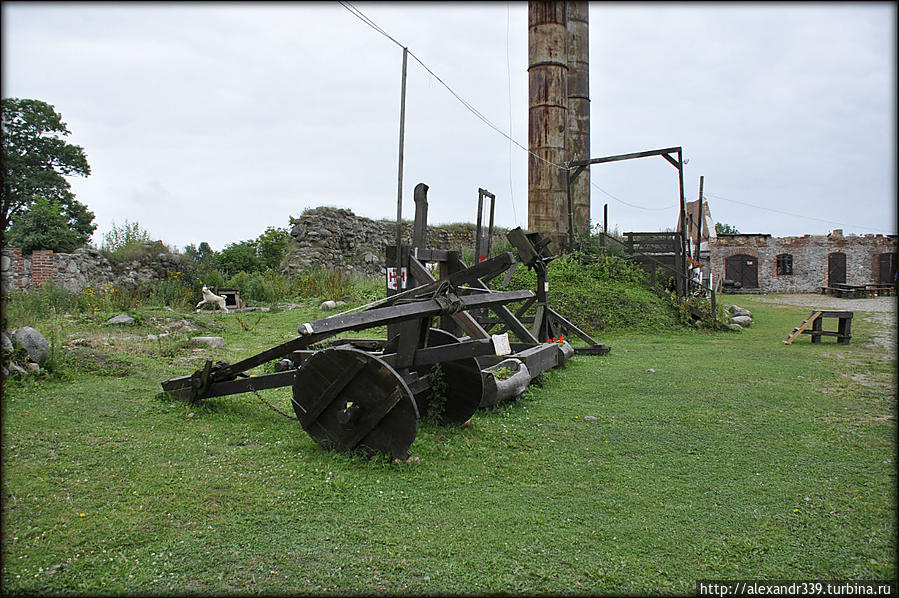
x=744, y=321
x=216, y=342
x=33, y=367
x=7, y=344
x=736, y=310
x=328, y=305
x=152, y=337
x=591, y=418
x=651, y=371
x=33, y=342
x=120, y=319
x=735, y=327
x=340, y=303
x=190, y=415
x=15, y=368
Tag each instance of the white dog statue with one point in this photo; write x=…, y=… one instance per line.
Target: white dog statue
x=210, y=297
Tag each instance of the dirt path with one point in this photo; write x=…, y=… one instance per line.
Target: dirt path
x=880, y=310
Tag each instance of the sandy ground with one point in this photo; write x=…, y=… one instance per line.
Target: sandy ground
x=880, y=310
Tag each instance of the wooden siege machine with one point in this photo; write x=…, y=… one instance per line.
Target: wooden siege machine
x=368, y=394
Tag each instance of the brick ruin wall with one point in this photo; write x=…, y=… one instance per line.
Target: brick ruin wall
x=83, y=268
x=810, y=258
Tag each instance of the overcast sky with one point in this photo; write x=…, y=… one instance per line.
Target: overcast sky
x=210, y=122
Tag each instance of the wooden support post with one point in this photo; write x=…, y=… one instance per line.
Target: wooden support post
x=420, y=232
x=699, y=228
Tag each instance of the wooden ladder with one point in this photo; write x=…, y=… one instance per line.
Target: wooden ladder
x=805, y=324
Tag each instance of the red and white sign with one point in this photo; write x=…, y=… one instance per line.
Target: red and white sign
x=392, y=278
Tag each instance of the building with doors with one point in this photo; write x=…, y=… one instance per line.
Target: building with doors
x=802, y=264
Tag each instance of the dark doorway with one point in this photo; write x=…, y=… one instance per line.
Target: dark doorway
x=887, y=268
x=836, y=269
x=744, y=269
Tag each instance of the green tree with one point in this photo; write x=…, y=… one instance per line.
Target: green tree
x=205, y=253
x=35, y=161
x=271, y=247
x=725, y=229
x=237, y=257
x=45, y=226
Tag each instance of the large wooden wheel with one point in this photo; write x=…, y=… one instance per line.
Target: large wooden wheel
x=348, y=400
x=464, y=383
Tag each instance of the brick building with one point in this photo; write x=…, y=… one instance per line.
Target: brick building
x=802, y=264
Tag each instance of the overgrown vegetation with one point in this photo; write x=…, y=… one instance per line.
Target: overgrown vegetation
x=736, y=455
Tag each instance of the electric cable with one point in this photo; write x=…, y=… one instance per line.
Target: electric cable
x=362, y=17
x=803, y=216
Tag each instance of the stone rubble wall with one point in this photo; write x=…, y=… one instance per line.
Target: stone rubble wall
x=323, y=237
x=810, y=262
x=338, y=239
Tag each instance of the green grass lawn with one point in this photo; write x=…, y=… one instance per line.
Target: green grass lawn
x=738, y=457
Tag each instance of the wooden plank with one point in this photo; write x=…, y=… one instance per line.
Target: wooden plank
x=802, y=326
x=508, y=318
x=263, y=382
x=462, y=350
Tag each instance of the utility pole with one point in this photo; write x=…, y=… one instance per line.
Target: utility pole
x=399, y=176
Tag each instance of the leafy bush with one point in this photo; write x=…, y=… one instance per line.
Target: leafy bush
x=119, y=237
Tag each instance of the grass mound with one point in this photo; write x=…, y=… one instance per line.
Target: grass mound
x=602, y=293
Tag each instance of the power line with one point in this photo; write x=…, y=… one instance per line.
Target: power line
x=803, y=216
x=368, y=21
x=628, y=203
x=361, y=16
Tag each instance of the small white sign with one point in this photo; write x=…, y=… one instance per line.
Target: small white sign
x=546, y=287
x=392, y=278
x=501, y=344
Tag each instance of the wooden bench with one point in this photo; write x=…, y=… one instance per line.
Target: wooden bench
x=844, y=327
x=816, y=321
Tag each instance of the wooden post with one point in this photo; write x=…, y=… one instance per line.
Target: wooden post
x=605, y=226
x=685, y=282
x=699, y=230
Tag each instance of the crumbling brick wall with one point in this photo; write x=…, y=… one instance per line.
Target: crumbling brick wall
x=809, y=258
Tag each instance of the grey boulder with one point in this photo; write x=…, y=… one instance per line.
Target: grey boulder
x=216, y=342
x=33, y=342
x=736, y=310
x=743, y=321
x=120, y=319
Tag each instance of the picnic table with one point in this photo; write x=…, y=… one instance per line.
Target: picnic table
x=857, y=291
